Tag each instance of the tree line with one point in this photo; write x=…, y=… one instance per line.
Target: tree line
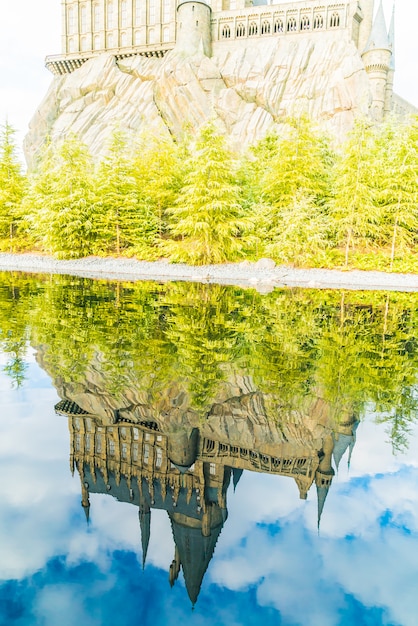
x=294, y=198
x=358, y=351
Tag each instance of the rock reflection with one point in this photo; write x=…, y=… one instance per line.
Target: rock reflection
x=175, y=461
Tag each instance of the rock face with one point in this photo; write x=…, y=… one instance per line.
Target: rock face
x=246, y=90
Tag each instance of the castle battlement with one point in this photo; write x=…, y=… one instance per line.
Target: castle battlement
x=153, y=27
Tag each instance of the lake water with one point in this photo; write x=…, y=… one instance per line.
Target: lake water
x=198, y=454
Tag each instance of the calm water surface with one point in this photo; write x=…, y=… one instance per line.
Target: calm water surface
x=199, y=454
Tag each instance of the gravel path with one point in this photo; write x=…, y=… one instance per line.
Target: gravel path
x=262, y=275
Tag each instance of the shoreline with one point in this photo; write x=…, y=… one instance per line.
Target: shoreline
x=261, y=275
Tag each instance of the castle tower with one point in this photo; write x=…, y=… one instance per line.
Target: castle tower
x=377, y=58
x=324, y=474
x=391, y=72
x=193, y=27
x=367, y=9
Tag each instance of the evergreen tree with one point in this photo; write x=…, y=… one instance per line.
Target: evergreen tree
x=397, y=180
x=159, y=172
x=62, y=200
x=124, y=220
x=354, y=214
x=207, y=219
x=294, y=189
x=12, y=189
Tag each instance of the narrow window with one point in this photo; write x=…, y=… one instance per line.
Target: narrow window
x=71, y=21
x=278, y=26
x=137, y=12
x=318, y=22
x=124, y=451
x=83, y=19
x=135, y=452
x=151, y=11
x=241, y=30
x=305, y=23
x=226, y=32
x=111, y=447
x=98, y=444
x=96, y=17
x=124, y=14
x=159, y=457
x=166, y=11
x=291, y=24
x=335, y=20
x=146, y=454
x=124, y=40
x=212, y=468
x=110, y=15
x=253, y=29
x=265, y=28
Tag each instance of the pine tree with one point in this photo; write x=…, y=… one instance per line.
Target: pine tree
x=124, y=220
x=207, y=223
x=159, y=172
x=294, y=190
x=354, y=213
x=397, y=182
x=62, y=200
x=12, y=189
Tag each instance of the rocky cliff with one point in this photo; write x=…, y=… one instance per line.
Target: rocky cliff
x=247, y=89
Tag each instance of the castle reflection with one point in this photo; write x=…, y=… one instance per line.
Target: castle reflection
x=174, y=461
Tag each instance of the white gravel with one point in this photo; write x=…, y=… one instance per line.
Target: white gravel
x=262, y=275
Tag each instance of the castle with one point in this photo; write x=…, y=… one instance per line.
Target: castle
x=153, y=27
x=186, y=471
x=154, y=65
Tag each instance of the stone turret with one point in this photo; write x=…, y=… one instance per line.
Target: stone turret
x=193, y=28
x=377, y=58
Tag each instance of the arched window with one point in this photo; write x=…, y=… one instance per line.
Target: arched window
x=83, y=19
x=291, y=24
x=110, y=40
x=334, y=20
x=305, y=23
x=84, y=43
x=151, y=11
x=265, y=28
x=226, y=31
x=240, y=30
x=278, y=26
x=137, y=38
x=71, y=21
x=71, y=45
x=166, y=10
x=151, y=35
x=96, y=17
x=318, y=22
x=124, y=13
x=123, y=40
x=96, y=42
x=166, y=35
x=253, y=29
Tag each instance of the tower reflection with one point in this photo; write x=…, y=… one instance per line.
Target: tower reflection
x=185, y=466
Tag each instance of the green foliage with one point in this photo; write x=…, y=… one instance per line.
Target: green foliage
x=288, y=197
x=207, y=222
x=62, y=200
x=343, y=353
x=12, y=189
x=124, y=220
